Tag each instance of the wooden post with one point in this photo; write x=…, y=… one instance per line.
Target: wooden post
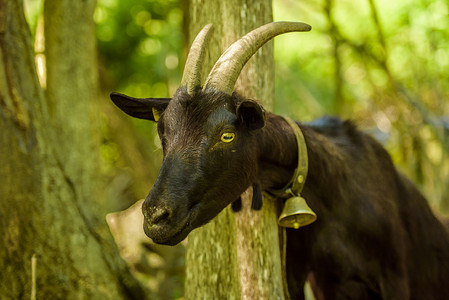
x=236, y=256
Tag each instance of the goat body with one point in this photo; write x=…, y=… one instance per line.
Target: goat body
x=375, y=236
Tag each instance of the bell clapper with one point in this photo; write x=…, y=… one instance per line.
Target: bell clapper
x=296, y=225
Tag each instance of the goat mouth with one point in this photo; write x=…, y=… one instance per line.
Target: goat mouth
x=173, y=239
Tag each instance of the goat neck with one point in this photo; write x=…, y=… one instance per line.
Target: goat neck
x=279, y=158
x=279, y=153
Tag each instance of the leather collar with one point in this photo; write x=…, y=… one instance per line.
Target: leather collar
x=296, y=184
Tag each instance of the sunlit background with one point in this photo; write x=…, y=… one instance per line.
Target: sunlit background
x=382, y=63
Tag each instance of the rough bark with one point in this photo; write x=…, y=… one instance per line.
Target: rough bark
x=236, y=256
x=72, y=86
x=54, y=243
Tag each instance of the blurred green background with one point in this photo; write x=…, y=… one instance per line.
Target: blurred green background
x=384, y=64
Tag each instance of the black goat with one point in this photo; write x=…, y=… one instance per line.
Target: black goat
x=375, y=236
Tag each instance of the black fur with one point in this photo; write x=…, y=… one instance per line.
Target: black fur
x=375, y=237
x=257, y=197
x=237, y=205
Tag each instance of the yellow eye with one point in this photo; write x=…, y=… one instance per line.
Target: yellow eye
x=227, y=137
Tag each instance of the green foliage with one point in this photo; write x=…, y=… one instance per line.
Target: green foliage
x=140, y=45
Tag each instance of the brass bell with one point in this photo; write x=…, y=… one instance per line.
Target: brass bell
x=296, y=213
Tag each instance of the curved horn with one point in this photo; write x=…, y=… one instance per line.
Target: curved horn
x=192, y=69
x=227, y=69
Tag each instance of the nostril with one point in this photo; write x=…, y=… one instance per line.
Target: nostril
x=159, y=215
x=160, y=218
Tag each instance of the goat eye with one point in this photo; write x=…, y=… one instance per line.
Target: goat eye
x=227, y=137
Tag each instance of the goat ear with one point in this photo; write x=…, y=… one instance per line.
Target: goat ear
x=252, y=114
x=142, y=108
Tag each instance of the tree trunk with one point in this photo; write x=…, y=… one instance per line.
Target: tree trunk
x=237, y=255
x=55, y=244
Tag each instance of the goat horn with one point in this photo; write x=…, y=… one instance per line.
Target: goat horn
x=191, y=78
x=227, y=69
